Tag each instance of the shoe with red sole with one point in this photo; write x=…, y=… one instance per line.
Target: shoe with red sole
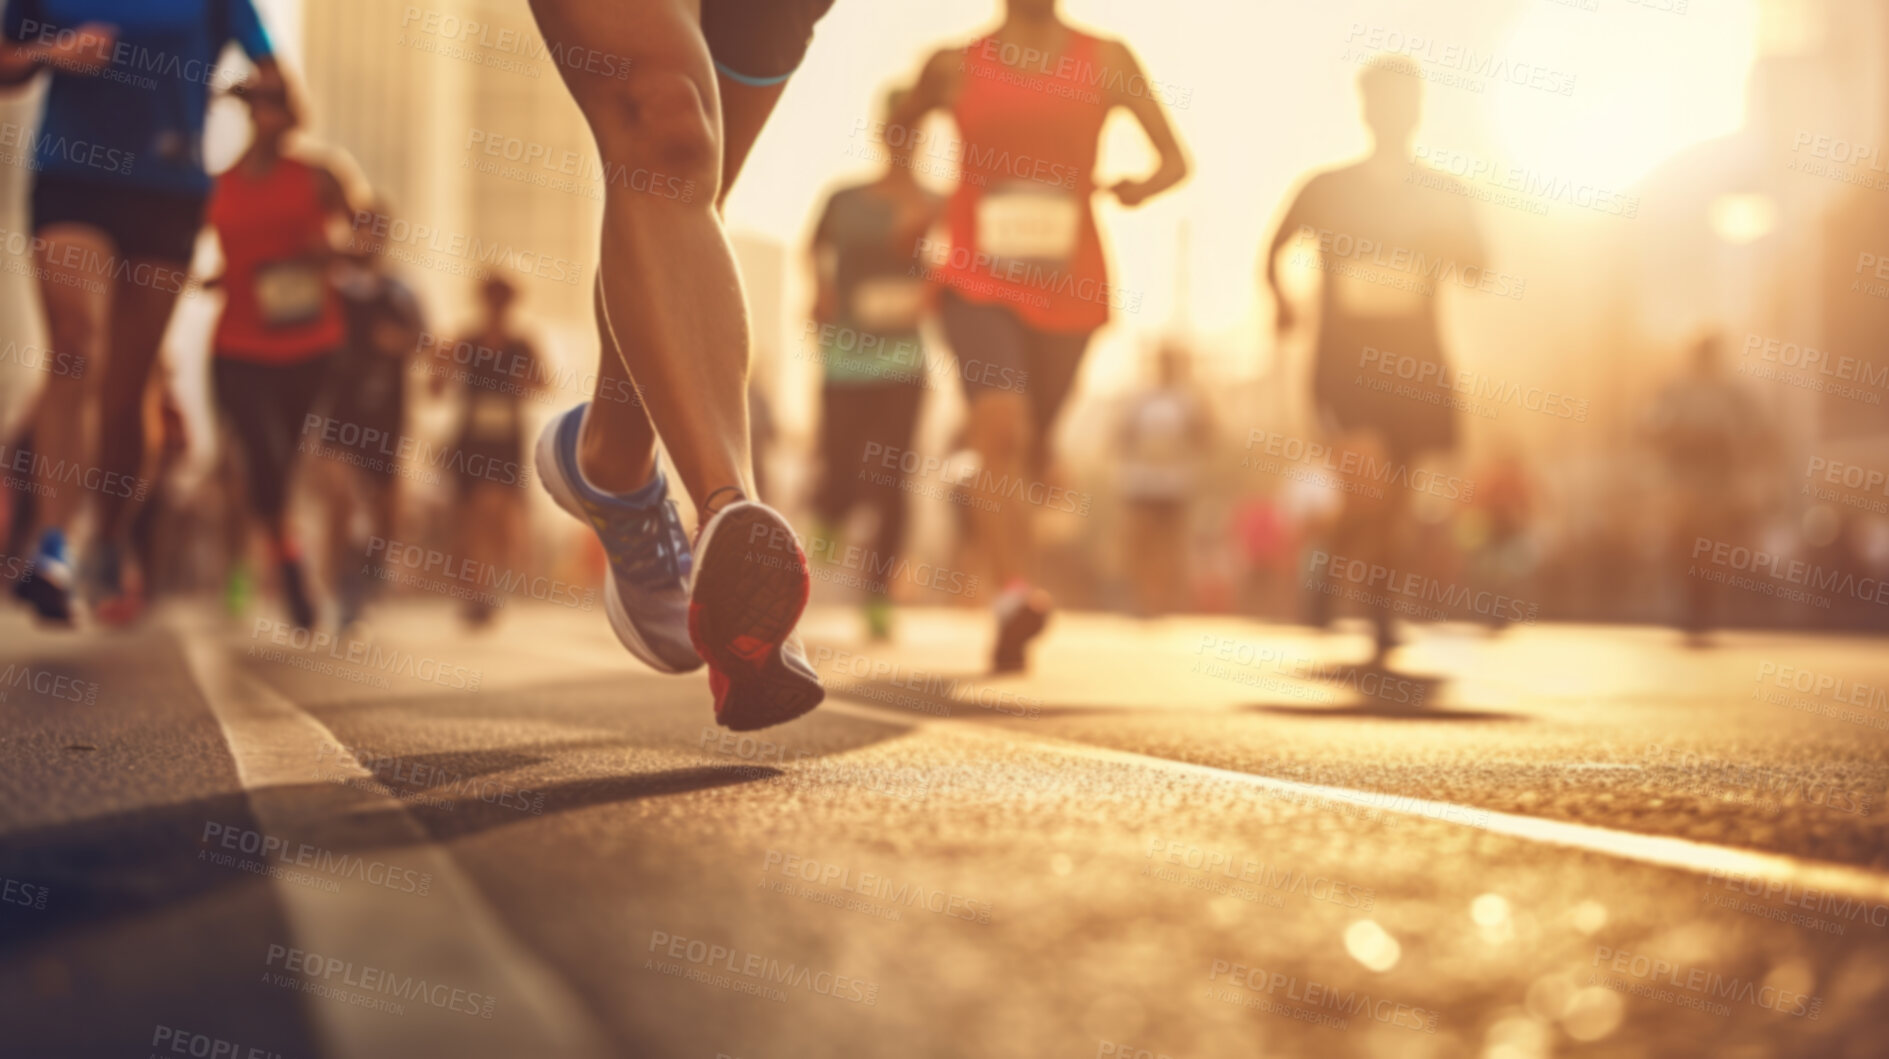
x=750, y=586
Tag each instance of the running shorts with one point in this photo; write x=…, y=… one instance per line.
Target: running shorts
x=142, y=224
x=760, y=42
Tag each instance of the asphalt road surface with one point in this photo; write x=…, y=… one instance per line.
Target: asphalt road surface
x=1184, y=838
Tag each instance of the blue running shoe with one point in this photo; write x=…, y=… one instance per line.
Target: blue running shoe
x=47, y=586
x=647, y=592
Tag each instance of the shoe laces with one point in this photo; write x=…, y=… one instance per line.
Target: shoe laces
x=650, y=548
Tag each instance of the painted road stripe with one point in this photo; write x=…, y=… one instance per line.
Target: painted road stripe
x=1678, y=853
x=1684, y=854
x=449, y=937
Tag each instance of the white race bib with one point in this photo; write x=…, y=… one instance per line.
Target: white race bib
x=889, y=304
x=289, y=293
x=1029, y=222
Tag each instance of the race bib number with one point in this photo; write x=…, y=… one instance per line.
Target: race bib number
x=889, y=304
x=1029, y=222
x=289, y=293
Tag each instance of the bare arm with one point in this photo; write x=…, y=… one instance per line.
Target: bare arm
x=1288, y=230
x=936, y=88
x=1153, y=117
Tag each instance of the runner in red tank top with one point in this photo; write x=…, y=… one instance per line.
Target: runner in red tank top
x=1026, y=282
x=281, y=317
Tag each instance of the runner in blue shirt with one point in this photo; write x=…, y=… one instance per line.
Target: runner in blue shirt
x=117, y=198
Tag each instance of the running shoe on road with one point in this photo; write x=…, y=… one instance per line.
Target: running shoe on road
x=120, y=599
x=647, y=593
x=751, y=584
x=47, y=586
x=1022, y=614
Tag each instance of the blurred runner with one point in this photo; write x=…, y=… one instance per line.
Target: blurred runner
x=1710, y=434
x=1377, y=300
x=498, y=370
x=156, y=535
x=868, y=307
x=367, y=385
x=1493, y=533
x=114, y=230
x=281, y=321
x=1026, y=283
x=1166, y=431
x=703, y=77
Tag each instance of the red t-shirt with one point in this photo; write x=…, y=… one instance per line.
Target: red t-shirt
x=1023, y=229
x=279, y=307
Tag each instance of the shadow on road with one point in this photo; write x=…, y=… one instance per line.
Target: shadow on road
x=145, y=860
x=1382, y=694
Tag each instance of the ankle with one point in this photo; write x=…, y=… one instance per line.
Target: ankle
x=613, y=470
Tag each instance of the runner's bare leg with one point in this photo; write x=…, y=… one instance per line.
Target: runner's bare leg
x=670, y=288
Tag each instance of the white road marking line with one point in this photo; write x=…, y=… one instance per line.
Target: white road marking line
x=448, y=937
x=1660, y=850
x=1663, y=851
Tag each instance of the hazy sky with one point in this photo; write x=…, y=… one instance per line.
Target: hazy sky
x=1268, y=89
